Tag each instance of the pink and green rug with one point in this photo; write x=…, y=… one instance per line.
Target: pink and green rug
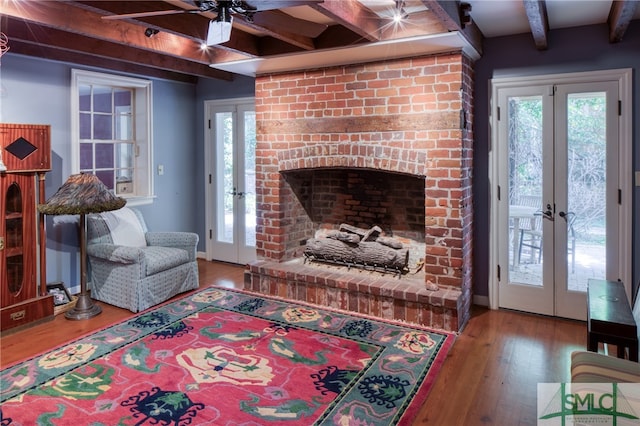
x=223, y=357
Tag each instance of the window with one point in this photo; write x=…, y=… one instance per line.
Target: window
x=111, y=132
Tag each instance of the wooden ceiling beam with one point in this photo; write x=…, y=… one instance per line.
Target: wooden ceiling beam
x=352, y=15
x=538, y=21
x=272, y=23
x=620, y=15
x=66, y=17
x=449, y=13
x=46, y=38
x=47, y=52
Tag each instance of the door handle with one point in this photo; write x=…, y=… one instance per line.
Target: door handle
x=234, y=192
x=548, y=214
x=1, y=243
x=566, y=215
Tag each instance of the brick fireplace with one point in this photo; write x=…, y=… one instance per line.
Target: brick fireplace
x=383, y=144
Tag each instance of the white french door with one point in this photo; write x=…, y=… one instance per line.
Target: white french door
x=231, y=180
x=559, y=166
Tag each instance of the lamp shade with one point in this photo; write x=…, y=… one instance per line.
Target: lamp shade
x=82, y=194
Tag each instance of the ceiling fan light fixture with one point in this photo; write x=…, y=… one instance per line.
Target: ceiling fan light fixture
x=399, y=13
x=219, y=31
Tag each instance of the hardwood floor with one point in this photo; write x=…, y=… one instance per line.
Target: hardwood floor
x=490, y=376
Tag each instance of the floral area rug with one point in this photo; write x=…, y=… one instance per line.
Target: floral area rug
x=224, y=357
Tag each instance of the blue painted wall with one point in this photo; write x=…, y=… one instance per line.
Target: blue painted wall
x=36, y=91
x=570, y=50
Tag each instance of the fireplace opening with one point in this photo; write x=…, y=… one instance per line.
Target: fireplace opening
x=325, y=200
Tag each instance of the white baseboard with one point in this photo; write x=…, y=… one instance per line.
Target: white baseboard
x=480, y=300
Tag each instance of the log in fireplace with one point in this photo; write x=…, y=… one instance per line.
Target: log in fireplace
x=351, y=246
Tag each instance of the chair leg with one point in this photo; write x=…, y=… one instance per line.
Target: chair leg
x=540, y=251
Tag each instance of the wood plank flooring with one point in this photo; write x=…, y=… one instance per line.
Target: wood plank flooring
x=489, y=377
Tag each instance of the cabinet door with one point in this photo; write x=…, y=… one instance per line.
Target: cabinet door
x=19, y=253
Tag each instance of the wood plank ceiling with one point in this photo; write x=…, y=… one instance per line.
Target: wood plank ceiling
x=77, y=32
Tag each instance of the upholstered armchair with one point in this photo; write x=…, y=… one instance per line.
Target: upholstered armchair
x=133, y=268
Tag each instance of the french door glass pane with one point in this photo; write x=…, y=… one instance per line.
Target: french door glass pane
x=525, y=189
x=226, y=191
x=250, y=177
x=586, y=171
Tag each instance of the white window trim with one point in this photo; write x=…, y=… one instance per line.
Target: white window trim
x=143, y=132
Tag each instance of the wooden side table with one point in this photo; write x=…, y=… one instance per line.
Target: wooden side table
x=609, y=318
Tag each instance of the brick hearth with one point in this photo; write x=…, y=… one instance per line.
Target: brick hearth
x=409, y=117
x=369, y=293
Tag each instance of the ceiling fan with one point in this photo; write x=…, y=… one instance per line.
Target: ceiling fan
x=217, y=6
x=219, y=30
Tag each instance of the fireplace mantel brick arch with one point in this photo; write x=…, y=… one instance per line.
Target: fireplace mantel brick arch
x=347, y=155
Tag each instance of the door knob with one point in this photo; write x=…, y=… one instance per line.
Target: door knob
x=566, y=215
x=548, y=214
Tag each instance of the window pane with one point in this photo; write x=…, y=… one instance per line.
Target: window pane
x=123, y=127
x=107, y=178
x=102, y=127
x=104, y=156
x=84, y=98
x=86, y=156
x=124, y=155
x=85, y=126
x=102, y=101
x=525, y=189
x=122, y=99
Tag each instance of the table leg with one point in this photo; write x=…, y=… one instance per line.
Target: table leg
x=633, y=351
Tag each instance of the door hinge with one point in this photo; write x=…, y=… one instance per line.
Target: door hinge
x=209, y=179
x=498, y=192
x=619, y=196
x=498, y=113
x=209, y=124
x=498, y=272
x=620, y=108
x=210, y=233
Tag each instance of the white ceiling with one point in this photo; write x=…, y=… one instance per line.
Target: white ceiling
x=505, y=17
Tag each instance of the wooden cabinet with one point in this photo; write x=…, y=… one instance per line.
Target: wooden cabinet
x=26, y=152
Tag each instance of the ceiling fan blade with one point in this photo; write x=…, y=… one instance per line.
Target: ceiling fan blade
x=261, y=5
x=147, y=14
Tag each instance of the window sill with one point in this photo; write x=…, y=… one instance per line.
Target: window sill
x=139, y=201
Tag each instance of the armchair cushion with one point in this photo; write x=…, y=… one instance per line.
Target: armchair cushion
x=125, y=228
x=152, y=259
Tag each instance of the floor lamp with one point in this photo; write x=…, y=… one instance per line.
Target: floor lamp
x=82, y=194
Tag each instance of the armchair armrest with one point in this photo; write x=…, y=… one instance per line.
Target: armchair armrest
x=184, y=240
x=115, y=253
